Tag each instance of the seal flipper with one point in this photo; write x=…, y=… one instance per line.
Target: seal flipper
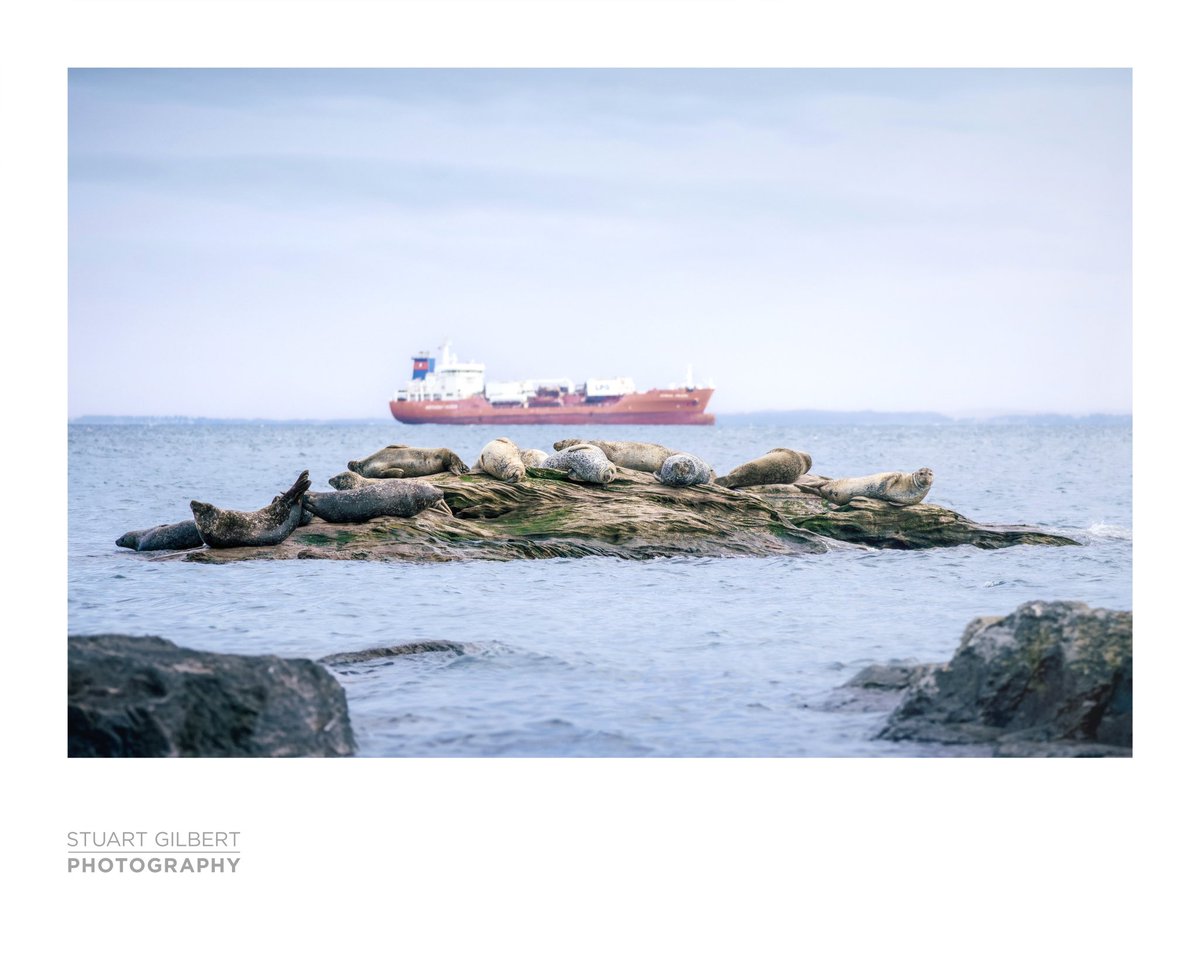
x=296, y=491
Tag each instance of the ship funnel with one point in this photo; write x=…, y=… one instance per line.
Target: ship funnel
x=423, y=365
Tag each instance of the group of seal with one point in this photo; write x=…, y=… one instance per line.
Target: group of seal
x=384, y=485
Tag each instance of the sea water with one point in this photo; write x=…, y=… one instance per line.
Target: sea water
x=601, y=657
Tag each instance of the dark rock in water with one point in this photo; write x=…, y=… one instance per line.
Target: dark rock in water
x=1050, y=679
x=400, y=650
x=875, y=523
x=146, y=697
x=166, y=536
x=894, y=675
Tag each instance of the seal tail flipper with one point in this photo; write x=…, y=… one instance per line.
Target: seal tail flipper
x=722, y=481
x=297, y=489
x=443, y=507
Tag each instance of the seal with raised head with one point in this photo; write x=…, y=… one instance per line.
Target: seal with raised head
x=780, y=465
x=383, y=498
x=583, y=463
x=272, y=524
x=900, y=488
x=684, y=470
x=348, y=480
x=502, y=459
x=630, y=454
x=533, y=458
x=166, y=536
x=400, y=460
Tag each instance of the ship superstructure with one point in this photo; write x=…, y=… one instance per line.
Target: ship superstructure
x=444, y=389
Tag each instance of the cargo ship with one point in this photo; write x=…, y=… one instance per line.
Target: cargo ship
x=446, y=390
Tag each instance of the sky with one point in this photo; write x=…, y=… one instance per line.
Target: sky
x=278, y=243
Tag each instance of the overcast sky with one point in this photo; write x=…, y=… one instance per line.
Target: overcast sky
x=278, y=243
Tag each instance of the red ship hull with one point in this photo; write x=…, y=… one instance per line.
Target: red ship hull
x=681, y=406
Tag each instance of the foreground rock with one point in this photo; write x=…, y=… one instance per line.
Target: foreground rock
x=146, y=697
x=633, y=517
x=1050, y=679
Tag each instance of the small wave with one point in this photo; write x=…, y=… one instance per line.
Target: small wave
x=1109, y=531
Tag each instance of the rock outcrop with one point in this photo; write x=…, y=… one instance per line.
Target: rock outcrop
x=916, y=527
x=633, y=517
x=146, y=697
x=1049, y=679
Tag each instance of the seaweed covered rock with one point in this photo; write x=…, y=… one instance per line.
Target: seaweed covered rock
x=633, y=516
x=147, y=697
x=1049, y=679
x=545, y=516
x=875, y=523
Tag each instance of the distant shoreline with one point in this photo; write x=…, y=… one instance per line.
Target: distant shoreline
x=758, y=418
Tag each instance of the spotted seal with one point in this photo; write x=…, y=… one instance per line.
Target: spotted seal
x=502, y=459
x=583, y=463
x=400, y=460
x=684, y=470
x=631, y=454
x=166, y=536
x=383, y=498
x=259, y=528
x=533, y=458
x=896, y=487
x=780, y=465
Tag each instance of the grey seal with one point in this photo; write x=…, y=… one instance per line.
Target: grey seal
x=631, y=454
x=259, y=528
x=533, y=458
x=780, y=465
x=502, y=459
x=684, y=470
x=903, y=489
x=166, y=536
x=583, y=463
x=400, y=460
x=383, y=498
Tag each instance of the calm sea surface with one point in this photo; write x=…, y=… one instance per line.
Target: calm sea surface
x=719, y=657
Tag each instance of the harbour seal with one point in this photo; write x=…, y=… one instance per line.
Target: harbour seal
x=631, y=454
x=401, y=460
x=583, y=463
x=502, y=459
x=383, y=498
x=348, y=480
x=903, y=489
x=684, y=470
x=166, y=536
x=533, y=458
x=260, y=528
x=780, y=465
